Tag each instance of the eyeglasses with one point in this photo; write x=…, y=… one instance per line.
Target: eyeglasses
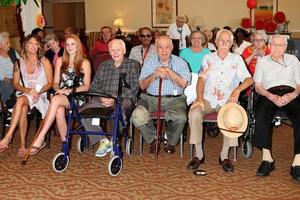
x=196, y=38
x=148, y=35
x=259, y=40
x=278, y=45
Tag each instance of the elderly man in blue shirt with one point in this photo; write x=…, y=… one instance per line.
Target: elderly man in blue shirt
x=176, y=76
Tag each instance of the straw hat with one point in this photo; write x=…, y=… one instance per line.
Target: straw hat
x=232, y=120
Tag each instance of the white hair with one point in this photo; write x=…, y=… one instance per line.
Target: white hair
x=262, y=33
x=278, y=36
x=180, y=17
x=224, y=31
x=3, y=35
x=121, y=42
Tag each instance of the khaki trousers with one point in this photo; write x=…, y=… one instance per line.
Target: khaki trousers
x=196, y=116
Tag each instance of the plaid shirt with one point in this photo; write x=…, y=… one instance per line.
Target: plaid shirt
x=176, y=64
x=106, y=79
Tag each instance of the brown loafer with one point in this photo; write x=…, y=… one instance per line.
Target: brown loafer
x=195, y=163
x=227, y=165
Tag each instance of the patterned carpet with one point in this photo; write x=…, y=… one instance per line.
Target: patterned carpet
x=144, y=177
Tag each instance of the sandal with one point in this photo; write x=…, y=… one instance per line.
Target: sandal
x=4, y=148
x=35, y=150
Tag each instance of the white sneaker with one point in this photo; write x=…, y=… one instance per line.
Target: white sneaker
x=104, y=147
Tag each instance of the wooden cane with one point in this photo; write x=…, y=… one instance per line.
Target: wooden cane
x=158, y=117
x=30, y=147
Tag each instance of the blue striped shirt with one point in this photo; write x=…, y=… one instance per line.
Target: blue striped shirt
x=176, y=64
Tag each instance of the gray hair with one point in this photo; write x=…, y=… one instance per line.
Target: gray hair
x=262, y=33
x=278, y=36
x=51, y=36
x=3, y=35
x=121, y=42
x=224, y=31
x=180, y=17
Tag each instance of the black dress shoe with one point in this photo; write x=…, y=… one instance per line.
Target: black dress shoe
x=227, y=165
x=265, y=168
x=195, y=163
x=169, y=149
x=295, y=173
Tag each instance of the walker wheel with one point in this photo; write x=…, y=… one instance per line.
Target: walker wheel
x=129, y=146
x=115, y=166
x=247, y=149
x=212, y=131
x=60, y=162
x=81, y=145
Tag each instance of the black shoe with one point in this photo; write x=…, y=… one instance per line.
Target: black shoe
x=227, y=165
x=265, y=168
x=195, y=163
x=295, y=172
x=169, y=149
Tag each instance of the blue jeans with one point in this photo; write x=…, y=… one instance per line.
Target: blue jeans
x=6, y=89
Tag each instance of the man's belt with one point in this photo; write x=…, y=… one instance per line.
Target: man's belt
x=164, y=96
x=282, y=87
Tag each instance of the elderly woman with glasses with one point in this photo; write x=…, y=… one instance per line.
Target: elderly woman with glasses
x=257, y=50
x=141, y=52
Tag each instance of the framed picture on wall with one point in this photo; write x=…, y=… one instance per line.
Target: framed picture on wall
x=163, y=13
x=266, y=9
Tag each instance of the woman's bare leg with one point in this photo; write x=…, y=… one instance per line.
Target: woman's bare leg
x=61, y=122
x=23, y=125
x=56, y=102
x=15, y=118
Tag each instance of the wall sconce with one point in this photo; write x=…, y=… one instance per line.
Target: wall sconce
x=119, y=23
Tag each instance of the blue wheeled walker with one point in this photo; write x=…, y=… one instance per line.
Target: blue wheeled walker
x=119, y=131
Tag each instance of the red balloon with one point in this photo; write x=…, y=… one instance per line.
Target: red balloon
x=251, y=4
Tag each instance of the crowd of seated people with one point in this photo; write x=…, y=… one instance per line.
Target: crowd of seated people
x=222, y=63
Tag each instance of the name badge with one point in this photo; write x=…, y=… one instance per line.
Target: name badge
x=96, y=121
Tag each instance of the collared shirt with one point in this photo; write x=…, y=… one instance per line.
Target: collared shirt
x=139, y=54
x=222, y=77
x=176, y=64
x=106, y=79
x=179, y=34
x=271, y=73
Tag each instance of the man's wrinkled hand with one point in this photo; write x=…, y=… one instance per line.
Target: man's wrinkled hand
x=234, y=97
x=107, y=102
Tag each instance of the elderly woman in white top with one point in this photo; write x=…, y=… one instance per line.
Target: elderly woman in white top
x=6, y=65
x=37, y=76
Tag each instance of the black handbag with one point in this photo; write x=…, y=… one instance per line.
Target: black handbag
x=12, y=99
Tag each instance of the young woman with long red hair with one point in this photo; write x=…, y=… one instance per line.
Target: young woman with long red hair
x=71, y=64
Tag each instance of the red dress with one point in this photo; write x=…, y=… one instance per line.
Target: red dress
x=248, y=52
